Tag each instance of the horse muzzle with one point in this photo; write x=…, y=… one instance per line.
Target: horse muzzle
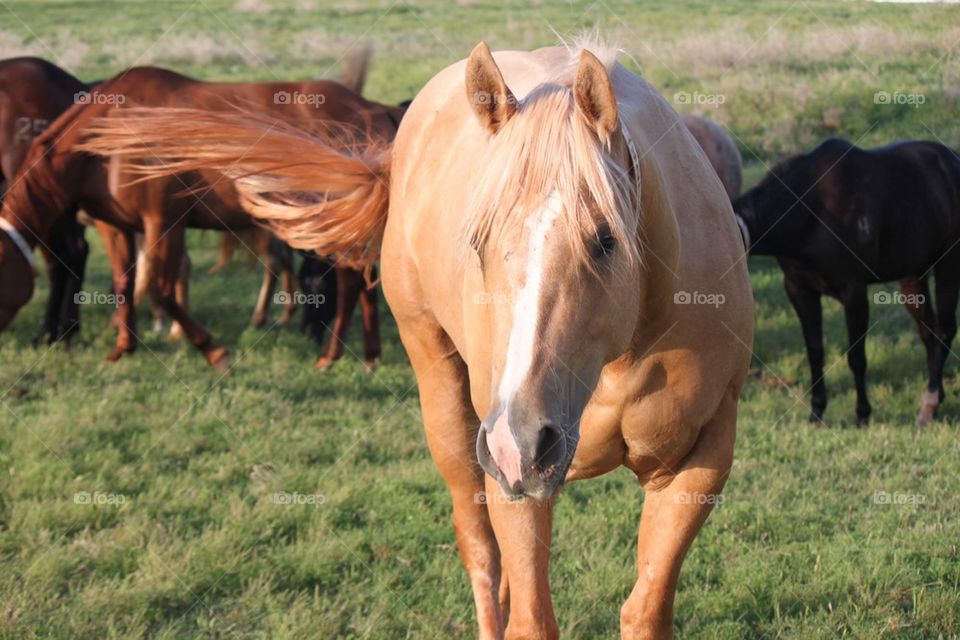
x=528, y=461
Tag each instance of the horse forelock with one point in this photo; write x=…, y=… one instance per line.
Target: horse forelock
x=547, y=151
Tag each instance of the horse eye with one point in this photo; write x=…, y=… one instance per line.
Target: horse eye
x=603, y=245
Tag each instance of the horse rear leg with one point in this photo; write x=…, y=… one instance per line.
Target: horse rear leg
x=165, y=248
x=141, y=287
x=283, y=257
x=916, y=292
x=451, y=429
x=267, y=285
x=275, y=261
x=371, y=326
x=182, y=294
x=349, y=284
x=121, y=251
x=673, y=513
x=946, y=284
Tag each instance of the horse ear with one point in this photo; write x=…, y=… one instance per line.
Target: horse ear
x=594, y=96
x=488, y=94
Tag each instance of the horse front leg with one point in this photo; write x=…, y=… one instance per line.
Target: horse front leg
x=122, y=253
x=451, y=428
x=165, y=248
x=523, y=530
x=76, y=266
x=857, y=312
x=57, y=275
x=673, y=513
x=806, y=302
x=66, y=261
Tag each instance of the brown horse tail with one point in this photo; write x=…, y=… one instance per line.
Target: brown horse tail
x=327, y=191
x=355, y=66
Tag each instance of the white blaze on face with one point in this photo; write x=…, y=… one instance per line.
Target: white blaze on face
x=522, y=343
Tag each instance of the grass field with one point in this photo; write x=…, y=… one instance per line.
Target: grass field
x=139, y=499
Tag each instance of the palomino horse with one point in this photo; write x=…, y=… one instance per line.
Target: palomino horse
x=839, y=218
x=33, y=93
x=552, y=256
x=721, y=151
x=62, y=176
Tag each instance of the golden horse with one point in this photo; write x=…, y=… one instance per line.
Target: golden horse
x=563, y=265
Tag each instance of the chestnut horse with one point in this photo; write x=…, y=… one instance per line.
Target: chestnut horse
x=33, y=93
x=62, y=175
x=551, y=244
x=721, y=151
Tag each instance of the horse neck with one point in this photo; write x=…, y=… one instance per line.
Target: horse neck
x=41, y=192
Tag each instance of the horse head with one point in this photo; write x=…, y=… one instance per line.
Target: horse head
x=553, y=224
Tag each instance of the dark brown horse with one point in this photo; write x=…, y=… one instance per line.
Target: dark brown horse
x=331, y=294
x=328, y=294
x=62, y=175
x=840, y=218
x=33, y=93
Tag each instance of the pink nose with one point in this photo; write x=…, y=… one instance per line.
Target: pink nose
x=504, y=450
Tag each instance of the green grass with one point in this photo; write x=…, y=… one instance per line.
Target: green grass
x=803, y=545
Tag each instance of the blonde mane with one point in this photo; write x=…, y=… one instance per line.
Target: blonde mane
x=547, y=147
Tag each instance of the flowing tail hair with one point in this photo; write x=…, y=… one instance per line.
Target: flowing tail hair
x=325, y=190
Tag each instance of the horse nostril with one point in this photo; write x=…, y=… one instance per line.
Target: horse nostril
x=550, y=450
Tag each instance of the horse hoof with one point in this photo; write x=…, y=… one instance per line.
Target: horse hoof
x=323, y=363
x=370, y=364
x=219, y=359
x=257, y=322
x=118, y=353
x=929, y=402
x=175, y=334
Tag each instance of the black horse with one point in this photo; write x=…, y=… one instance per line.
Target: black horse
x=840, y=218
